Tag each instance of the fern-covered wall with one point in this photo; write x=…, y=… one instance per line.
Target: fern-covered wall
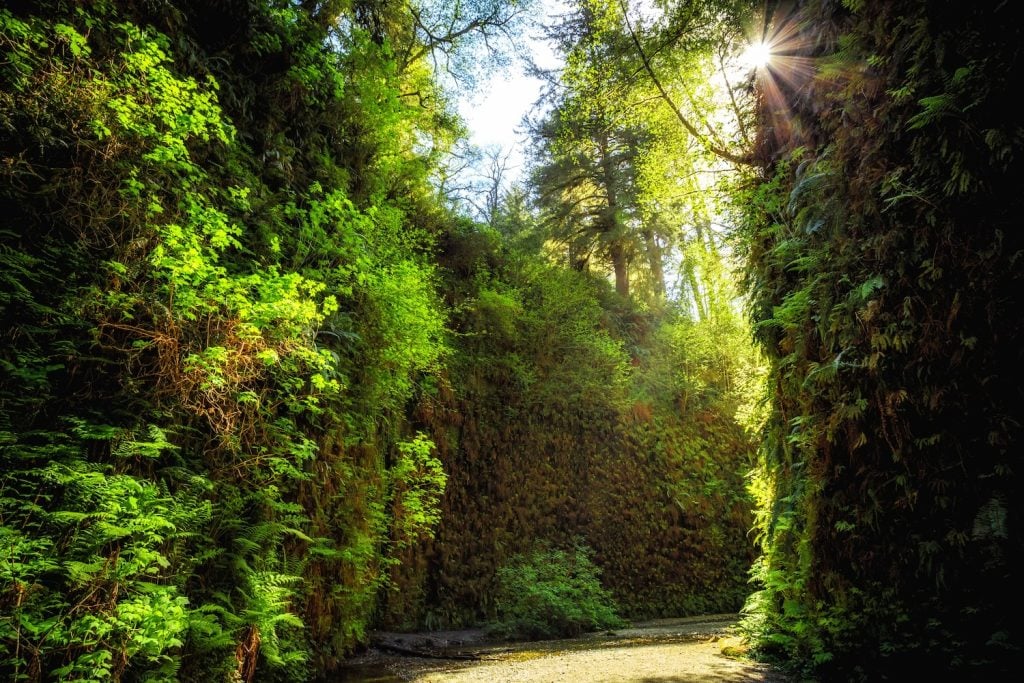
x=247, y=345
x=568, y=415
x=884, y=268
x=261, y=388
x=216, y=302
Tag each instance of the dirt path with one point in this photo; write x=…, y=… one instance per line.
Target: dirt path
x=664, y=651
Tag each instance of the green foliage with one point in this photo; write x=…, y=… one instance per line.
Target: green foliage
x=551, y=592
x=259, y=388
x=567, y=413
x=417, y=480
x=214, y=313
x=882, y=262
x=88, y=552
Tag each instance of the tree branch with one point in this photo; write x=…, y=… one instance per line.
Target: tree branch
x=732, y=98
x=494, y=21
x=707, y=144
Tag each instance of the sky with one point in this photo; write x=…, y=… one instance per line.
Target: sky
x=494, y=112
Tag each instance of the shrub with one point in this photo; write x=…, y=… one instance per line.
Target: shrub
x=550, y=592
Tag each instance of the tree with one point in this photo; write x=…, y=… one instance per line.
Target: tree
x=587, y=190
x=693, y=29
x=618, y=176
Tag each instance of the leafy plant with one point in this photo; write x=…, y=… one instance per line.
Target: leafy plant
x=551, y=592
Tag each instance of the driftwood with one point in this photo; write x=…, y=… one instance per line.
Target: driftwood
x=390, y=645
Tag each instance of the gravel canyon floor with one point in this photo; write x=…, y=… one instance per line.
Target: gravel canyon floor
x=686, y=650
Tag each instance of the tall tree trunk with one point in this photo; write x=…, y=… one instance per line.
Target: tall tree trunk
x=620, y=265
x=711, y=282
x=654, y=260
x=698, y=295
x=616, y=248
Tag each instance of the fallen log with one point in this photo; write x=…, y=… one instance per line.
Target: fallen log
x=426, y=654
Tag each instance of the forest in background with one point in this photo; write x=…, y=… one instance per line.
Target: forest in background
x=269, y=379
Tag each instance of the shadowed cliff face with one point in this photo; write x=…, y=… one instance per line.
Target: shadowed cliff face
x=883, y=277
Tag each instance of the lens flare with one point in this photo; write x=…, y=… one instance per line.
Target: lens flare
x=757, y=55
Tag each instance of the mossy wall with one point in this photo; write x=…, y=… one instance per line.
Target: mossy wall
x=884, y=256
x=549, y=435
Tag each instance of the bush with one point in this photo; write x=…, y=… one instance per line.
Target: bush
x=548, y=593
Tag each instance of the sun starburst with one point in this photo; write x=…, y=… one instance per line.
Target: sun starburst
x=757, y=55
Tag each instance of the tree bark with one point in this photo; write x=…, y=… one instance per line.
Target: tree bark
x=621, y=267
x=698, y=296
x=615, y=238
x=654, y=260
